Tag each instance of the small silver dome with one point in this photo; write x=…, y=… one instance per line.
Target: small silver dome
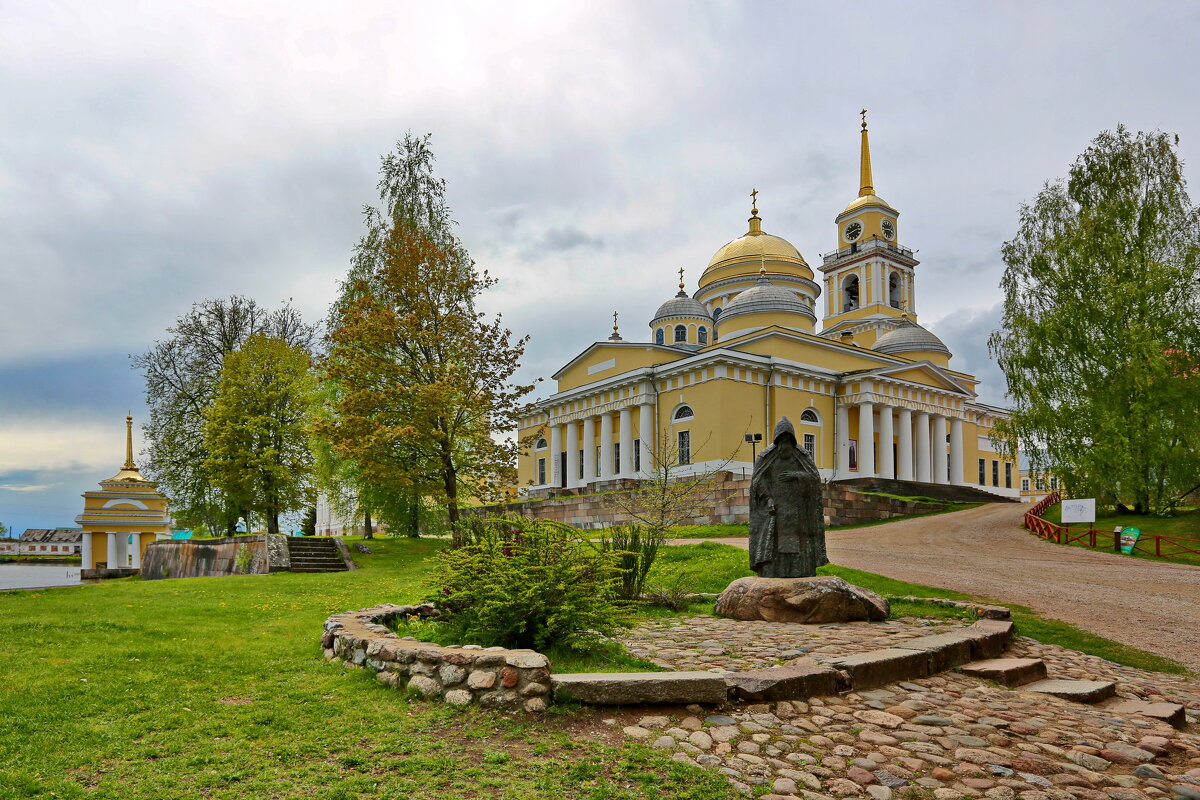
x=765, y=297
x=681, y=307
x=909, y=337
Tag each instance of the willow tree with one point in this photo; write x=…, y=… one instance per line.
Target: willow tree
x=1099, y=341
x=422, y=379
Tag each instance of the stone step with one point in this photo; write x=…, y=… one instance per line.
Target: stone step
x=1170, y=713
x=338, y=568
x=631, y=688
x=1079, y=691
x=1008, y=671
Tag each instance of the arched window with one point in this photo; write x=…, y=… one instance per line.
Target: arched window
x=810, y=416
x=681, y=333
x=541, y=445
x=659, y=336
x=894, y=290
x=683, y=412
x=702, y=335
x=850, y=293
x=716, y=314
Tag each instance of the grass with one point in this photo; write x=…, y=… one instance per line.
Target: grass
x=1184, y=525
x=215, y=687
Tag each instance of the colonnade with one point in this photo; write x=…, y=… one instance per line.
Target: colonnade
x=117, y=550
x=918, y=439
x=616, y=445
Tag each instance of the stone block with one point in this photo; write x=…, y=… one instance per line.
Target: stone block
x=1170, y=713
x=1079, y=691
x=804, y=600
x=627, y=688
x=945, y=650
x=989, y=638
x=877, y=667
x=783, y=683
x=1008, y=671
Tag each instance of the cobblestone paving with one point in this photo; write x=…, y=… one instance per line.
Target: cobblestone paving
x=723, y=645
x=945, y=737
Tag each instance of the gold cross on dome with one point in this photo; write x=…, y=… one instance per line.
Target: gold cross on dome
x=614, y=320
x=754, y=198
x=681, y=277
x=864, y=118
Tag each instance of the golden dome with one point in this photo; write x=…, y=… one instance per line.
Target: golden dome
x=867, y=200
x=754, y=249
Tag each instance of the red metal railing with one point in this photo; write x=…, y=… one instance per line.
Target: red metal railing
x=1151, y=544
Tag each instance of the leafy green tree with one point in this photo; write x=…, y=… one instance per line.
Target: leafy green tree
x=182, y=373
x=422, y=379
x=1099, y=341
x=257, y=428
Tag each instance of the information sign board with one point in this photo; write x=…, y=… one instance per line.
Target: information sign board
x=1079, y=510
x=1129, y=538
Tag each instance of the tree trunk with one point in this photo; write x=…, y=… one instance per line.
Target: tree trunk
x=272, y=522
x=368, y=530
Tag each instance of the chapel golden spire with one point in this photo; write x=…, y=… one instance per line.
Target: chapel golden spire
x=866, y=182
x=755, y=222
x=129, y=442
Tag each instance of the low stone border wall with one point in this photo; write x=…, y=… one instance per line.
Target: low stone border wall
x=984, y=611
x=493, y=677
x=520, y=679
x=257, y=554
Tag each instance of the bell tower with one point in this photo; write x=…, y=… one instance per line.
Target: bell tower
x=869, y=278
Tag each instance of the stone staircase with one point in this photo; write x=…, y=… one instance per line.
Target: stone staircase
x=315, y=554
x=1029, y=675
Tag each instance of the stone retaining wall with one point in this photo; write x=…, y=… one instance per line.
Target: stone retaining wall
x=493, y=677
x=233, y=555
x=726, y=502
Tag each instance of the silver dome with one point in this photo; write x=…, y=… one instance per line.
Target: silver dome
x=765, y=297
x=681, y=307
x=909, y=337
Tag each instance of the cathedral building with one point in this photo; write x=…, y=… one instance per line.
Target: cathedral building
x=871, y=394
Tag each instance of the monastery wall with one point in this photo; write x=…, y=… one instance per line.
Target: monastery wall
x=726, y=501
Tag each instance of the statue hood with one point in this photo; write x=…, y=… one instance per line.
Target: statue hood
x=784, y=427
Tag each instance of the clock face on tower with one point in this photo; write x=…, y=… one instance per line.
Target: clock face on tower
x=853, y=231
x=889, y=229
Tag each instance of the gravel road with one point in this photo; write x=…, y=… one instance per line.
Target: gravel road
x=984, y=550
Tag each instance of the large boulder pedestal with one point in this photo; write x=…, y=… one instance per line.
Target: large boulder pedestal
x=808, y=601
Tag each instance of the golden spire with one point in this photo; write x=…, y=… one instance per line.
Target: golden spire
x=129, y=442
x=866, y=182
x=755, y=222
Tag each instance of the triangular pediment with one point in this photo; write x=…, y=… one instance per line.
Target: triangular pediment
x=921, y=372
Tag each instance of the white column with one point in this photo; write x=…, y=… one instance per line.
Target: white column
x=589, y=451
x=940, y=473
x=555, y=459
x=956, y=452
x=572, y=455
x=606, y=446
x=843, y=442
x=135, y=550
x=904, y=470
x=648, y=438
x=626, y=440
x=86, y=559
x=866, y=440
x=922, y=447
x=887, y=461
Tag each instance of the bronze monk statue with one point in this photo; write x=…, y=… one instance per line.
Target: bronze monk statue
x=787, y=515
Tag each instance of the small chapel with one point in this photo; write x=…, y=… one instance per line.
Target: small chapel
x=872, y=393
x=123, y=517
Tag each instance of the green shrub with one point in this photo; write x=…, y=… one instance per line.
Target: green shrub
x=517, y=582
x=636, y=548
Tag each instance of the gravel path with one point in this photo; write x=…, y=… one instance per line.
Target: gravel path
x=985, y=551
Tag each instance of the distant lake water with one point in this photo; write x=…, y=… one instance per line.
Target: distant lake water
x=30, y=576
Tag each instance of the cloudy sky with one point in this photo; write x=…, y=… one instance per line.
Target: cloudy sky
x=154, y=154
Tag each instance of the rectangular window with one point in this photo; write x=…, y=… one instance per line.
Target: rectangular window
x=616, y=458
x=1041, y=484
x=637, y=455
x=1007, y=475
x=581, y=465
x=983, y=472
x=541, y=472
x=995, y=473
x=854, y=454
x=1053, y=483
x=1024, y=484
x=685, y=447
x=810, y=444
x=599, y=460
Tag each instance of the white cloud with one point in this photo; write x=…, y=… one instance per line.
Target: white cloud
x=33, y=487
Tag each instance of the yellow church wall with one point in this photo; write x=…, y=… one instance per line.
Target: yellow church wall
x=623, y=360
x=747, y=322
x=872, y=221
x=842, y=359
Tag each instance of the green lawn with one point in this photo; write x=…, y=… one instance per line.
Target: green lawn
x=1184, y=525
x=215, y=687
